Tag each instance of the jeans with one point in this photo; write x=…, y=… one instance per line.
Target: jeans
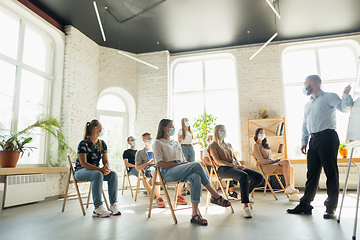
x=148, y=169
x=248, y=179
x=189, y=153
x=193, y=173
x=323, y=151
x=97, y=178
x=133, y=171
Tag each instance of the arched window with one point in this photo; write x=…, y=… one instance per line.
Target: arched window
x=207, y=83
x=26, y=77
x=336, y=63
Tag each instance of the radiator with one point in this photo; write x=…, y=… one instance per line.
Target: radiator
x=21, y=189
x=353, y=177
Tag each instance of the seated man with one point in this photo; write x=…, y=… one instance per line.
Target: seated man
x=144, y=161
x=129, y=157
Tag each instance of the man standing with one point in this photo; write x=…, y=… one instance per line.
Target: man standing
x=320, y=123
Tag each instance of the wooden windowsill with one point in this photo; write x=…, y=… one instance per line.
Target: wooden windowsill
x=340, y=160
x=33, y=170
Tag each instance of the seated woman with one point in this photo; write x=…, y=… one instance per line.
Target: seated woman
x=262, y=153
x=229, y=167
x=90, y=151
x=173, y=167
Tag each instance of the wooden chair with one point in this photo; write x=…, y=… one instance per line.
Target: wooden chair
x=143, y=178
x=72, y=180
x=172, y=204
x=215, y=178
x=126, y=176
x=267, y=184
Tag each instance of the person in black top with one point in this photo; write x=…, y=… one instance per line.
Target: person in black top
x=129, y=157
x=90, y=150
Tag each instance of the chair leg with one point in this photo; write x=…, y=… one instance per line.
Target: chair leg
x=122, y=191
x=88, y=198
x=137, y=186
x=176, y=195
x=271, y=189
x=128, y=177
x=207, y=200
x=281, y=185
x=266, y=181
x=152, y=194
x=226, y=196
x=66, y=192
x=169, y=201
x=146, y=187
x=80, y=200
x=106, y=202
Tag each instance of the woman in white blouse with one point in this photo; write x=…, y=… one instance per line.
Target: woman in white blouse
x=185, y=138
x=170, y=159
x=262, y=153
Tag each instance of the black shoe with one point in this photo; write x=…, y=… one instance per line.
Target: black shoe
x=300, y=209
x=187, y=193
x=233, y=195
x=329, y=214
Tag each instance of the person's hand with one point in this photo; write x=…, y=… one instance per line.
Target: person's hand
x=105, y=170
x=151, y=162
x=278, y=160
x=303, y=149
x=242, y=168
x=347, y=90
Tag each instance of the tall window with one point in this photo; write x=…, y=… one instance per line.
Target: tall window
x=113, y=115
x=25, y=79
x=206, y=84
x=335, y=63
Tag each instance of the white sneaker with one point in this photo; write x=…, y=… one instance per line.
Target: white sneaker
x=251, y=200
x=114, y=209
x=294, y=198
x=291, y=190
x=247, y=212
x=101, y=212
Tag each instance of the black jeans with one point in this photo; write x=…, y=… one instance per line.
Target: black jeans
x=248, y=179
x=323, y=151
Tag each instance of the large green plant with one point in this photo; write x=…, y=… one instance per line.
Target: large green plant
x=18, y=141
x=203, y=125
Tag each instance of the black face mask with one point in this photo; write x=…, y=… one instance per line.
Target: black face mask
x=307, y=90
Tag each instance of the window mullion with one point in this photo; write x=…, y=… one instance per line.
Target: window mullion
x=317, y=62
x=204, y=84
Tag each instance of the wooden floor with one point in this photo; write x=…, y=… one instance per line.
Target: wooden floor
x=44, y=220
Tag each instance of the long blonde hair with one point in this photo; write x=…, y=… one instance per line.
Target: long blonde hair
x=217, y=140
x=183, y=129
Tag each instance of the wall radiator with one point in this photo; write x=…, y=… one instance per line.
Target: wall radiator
x=353, y=176
x=21, y=189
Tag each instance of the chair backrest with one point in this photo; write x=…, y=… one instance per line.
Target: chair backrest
x=72, y=163
x=259, y=166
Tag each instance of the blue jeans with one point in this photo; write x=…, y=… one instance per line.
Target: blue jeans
x=193, y=173
x=248, y=179
x=133, y=171
x=97, y=178
x=189, y=153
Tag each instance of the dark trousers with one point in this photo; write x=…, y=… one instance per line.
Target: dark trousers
x=248, y=179
x=323, y=151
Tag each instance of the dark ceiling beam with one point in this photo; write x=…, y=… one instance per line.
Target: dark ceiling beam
x=144, y=11
x=42, y=14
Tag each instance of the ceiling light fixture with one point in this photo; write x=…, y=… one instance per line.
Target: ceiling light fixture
x=136, y=59
x=99, y=21
x=263, y=46
x=272, y=7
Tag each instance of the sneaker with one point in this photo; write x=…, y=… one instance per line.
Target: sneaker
x=233, y=195
x=291, y=190
x=301, y=209
x=160, y=203
x=294, y=198
x=181, y=201
x=101, y=212
x=114, y=209
x=251, y=200
x=247, y=212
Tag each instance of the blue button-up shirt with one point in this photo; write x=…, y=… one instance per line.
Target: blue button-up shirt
x=320, y=113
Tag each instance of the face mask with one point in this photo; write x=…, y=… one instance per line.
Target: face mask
x=222, y=134
x=171, y=132
x=262, y=136
x=149, y=142
x=187, y=123
x=133, y=143
x=307, y=91
x=101, y=133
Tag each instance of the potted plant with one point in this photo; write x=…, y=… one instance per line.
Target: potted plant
x=203, y=125
x=11, y=146
x=343, y=150
x=263, y=113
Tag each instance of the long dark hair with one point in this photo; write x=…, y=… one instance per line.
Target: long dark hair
x=88, y=129
x=264, y=141
x=163, y=123
x=183, y=135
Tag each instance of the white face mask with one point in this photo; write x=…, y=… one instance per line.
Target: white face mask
x=101, y=133
x=149, y=142
x=262, y=136
x=187, y=123
x=307, y=91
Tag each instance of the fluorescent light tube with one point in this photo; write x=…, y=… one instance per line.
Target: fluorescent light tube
x=274, y=10
x=263, y=46
x=99, y=21
x=136, y=59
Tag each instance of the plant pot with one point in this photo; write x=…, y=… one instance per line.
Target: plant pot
x=264, y=115
x=343, y=153
x=9, y=159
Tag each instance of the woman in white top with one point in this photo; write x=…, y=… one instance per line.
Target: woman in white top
x=185, y=138
x=173, y=167
x=262, y=153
